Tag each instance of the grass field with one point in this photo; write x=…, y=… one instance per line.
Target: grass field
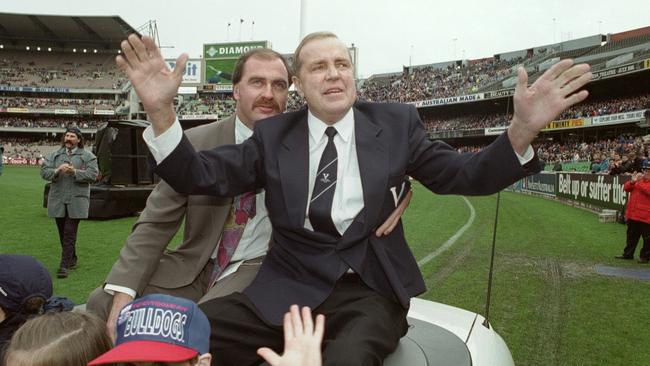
x=548, y=303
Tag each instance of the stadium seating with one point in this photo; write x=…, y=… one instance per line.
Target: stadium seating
x=60, y=70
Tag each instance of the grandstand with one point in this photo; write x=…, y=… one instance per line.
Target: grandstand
x=59, y=70
x=56, y=71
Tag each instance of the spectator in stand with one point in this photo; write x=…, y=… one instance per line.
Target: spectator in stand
x=637, y=215
x=557, y=167
x=604, y=163
x=595, y=164
x=616, y=165
x=638, y=161
x=627, y=163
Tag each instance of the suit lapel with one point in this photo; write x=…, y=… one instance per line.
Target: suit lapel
x=372, y=153
x=226, y=131
x=293, y=161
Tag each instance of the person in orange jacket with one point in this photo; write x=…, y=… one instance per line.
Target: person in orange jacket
x=638, y=215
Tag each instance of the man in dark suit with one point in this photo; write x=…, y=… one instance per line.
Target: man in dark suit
x=145, y=266
x=332, y=172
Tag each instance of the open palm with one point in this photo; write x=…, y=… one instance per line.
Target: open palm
x=536, y=106
x=155, y=84
x=550, y=94
x=302, y=340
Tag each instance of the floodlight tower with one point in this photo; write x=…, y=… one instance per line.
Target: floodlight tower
x=150, y=29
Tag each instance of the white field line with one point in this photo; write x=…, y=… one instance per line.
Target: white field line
x=452, y=240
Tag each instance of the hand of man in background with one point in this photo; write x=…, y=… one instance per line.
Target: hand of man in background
x=155, y=84
x=119, y=301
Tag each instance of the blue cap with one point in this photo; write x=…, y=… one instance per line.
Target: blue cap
x=159, y=328
x=21, y=278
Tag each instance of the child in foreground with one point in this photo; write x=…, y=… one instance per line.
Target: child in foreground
x=170, y=331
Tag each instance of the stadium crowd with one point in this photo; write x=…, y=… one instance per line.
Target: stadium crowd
x=49, y=103
x=26, y=151
x=594, y=108
x=423, y=83
x=24, y=70
x=220, y=104
x=624, y=155
x=49, y=122
x=295, y=101
x=610, y=106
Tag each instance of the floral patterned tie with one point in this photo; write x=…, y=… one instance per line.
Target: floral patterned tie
x=242, y=209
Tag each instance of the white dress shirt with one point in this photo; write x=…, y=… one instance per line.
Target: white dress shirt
x=257, y=232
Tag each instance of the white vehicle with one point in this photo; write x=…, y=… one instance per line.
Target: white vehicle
x=444, y=335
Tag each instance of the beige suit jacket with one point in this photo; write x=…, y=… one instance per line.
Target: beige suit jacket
x=144, y=258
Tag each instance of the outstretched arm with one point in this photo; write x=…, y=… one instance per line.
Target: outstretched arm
x=536, y=106
x=302, y=340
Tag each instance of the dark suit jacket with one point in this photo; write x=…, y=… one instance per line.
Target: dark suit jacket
x=302, y=266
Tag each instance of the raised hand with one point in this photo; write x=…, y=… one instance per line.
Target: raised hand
x=302, y=340
x=155, y=84
x=536, y=106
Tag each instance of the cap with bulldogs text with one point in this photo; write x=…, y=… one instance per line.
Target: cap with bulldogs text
x=159, y=328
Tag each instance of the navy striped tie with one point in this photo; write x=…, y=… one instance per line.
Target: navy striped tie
x=320, y=206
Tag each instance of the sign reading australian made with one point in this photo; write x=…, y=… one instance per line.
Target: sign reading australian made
x=448, y=100
x=220, y=58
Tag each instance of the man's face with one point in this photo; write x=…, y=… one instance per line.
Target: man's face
x=70, y=140
x=326, y=79
x=262, y=91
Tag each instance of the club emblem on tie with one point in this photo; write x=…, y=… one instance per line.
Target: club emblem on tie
x=325, y=178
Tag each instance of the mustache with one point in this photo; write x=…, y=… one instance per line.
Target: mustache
x=267, y=103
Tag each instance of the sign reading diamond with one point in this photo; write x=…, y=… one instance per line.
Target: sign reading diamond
x=220, y=59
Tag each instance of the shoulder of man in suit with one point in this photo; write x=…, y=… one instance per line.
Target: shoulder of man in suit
x=203, y=136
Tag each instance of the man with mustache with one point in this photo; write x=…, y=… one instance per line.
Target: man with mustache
x=70, y=170
x=225, y=239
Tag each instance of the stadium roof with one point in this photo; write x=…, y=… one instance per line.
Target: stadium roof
x=65, y=31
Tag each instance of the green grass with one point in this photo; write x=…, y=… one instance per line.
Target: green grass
x=547, y=301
